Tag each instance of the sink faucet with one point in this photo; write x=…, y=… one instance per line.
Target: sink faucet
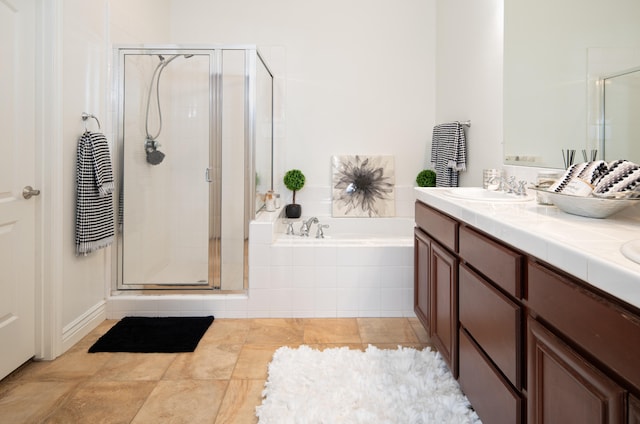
x=306, y=226
x=510, y=186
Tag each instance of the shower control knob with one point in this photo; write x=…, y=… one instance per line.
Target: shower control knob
x=28, y=192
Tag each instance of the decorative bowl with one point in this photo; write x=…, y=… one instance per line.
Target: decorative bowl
x=588, y=206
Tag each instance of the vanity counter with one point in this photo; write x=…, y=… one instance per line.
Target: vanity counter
x=586, y=248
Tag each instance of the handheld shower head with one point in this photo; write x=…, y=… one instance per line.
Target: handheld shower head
x=154, y=157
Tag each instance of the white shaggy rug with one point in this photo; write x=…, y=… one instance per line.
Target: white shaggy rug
x=307, y=386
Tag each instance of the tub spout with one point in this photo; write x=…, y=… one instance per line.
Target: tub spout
x=306, y=226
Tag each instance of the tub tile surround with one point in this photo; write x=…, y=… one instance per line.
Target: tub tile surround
x=292, y=277
x=587, y=248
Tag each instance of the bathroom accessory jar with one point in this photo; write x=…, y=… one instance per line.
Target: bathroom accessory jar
x=491, y=178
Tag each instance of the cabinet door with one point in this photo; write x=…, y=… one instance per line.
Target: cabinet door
x=634, y=410
x=443, y=318
x=422, y=253
x=564, y=387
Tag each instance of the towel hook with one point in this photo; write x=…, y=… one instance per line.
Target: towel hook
x=465, y=123
x=86, y=116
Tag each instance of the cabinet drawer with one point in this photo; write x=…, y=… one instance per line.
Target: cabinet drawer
x=493, y=321
x=491, y=396
x=500, y=264
x=606, y=331
x=437, y=225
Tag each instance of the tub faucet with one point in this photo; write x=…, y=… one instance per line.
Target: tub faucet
x=306, y=226
x=320, y=232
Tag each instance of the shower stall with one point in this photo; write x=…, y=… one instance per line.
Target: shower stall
x=194, y=159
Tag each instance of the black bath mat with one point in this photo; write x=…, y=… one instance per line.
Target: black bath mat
x=149, y=335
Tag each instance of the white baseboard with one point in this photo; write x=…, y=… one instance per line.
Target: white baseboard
x=83, y=325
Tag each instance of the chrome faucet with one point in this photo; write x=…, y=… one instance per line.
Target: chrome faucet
x=320, y=232
x=510, y=186
x=306, y=226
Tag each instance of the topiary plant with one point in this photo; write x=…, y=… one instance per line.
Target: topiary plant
x=294, y=181
x=426, y=178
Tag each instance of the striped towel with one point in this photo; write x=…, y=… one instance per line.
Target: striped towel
x=94, y=205
x=448, y=153
x=621, y=176
x=588, y=172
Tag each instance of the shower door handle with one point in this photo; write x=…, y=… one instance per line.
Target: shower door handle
x=207, y=175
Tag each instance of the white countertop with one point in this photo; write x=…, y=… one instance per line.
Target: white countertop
x=587, y=248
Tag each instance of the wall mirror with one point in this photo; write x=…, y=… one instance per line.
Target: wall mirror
x=620, y=131
x=554, y=55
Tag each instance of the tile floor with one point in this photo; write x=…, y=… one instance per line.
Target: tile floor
x=221, y=382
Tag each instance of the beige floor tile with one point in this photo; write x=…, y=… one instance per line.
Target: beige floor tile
x=227, y=331
x=334, y=330
x=184, y=401
x=103, y=402
x=386, y=330
x=73, y=365
x=394, y=346
x=31, y=402
x=233, y=354
x=420, y=331
x=276, y=330
x=323, y=346
x=254, y=361
x=135, y=366
x=240, y=401
x=88, y=341
x=207, y=362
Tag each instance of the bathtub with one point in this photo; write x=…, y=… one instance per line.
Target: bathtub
x=351, y=231
x=362, y=268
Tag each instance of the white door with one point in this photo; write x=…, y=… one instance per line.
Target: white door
x=17, y=163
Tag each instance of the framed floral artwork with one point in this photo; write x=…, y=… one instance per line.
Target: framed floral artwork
x=363, y=186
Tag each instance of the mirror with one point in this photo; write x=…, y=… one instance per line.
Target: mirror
x=620, y=111
x=554, y=55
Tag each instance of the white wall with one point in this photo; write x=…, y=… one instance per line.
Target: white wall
x=355, y=77
x=84, y=88
x=86, y=40
x=469, y=78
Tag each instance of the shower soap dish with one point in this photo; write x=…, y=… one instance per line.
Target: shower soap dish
x=588, y=206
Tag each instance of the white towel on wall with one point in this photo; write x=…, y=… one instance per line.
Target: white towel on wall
x=94, y=188
x=448, y=153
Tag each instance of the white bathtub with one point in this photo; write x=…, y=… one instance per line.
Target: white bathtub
x=350, y=232
x=362, y=268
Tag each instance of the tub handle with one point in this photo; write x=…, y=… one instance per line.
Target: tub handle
x=320, y=233
x=289, y=227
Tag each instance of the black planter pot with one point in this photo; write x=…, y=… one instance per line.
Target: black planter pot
x=293, y=210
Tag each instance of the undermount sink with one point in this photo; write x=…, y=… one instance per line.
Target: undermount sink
x=481, y=194
x=631, y=250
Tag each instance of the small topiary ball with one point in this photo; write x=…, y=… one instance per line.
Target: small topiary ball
x=426, y=178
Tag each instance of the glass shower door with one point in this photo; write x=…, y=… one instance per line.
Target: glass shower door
x=167, y=236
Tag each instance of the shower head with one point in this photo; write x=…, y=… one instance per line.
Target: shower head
x=154, y=157
x=187, y=56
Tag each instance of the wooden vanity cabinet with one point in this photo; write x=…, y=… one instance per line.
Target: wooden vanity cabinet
x=436, y=281
x=490, y=312
x=421, y=261
x=584, y=352
x=634, y=410
x=566, y=388
x=527, y=342
x=443, y=294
